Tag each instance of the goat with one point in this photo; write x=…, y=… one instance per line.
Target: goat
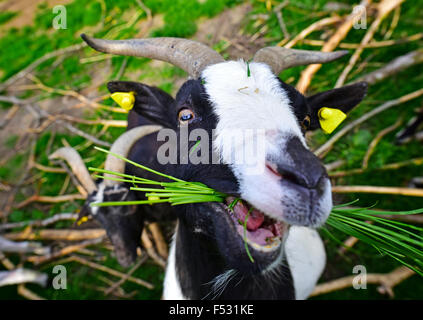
x=288, y=199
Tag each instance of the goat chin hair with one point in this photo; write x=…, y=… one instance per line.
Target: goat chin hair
x=220, y=283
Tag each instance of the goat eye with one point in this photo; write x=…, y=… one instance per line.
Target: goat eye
x=185, y=115
x=306, y=122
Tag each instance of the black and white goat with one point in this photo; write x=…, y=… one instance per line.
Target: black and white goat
x=291, y=196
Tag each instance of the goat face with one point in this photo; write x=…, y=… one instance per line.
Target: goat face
x=286, y=184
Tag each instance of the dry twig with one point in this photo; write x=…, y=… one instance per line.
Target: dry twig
x=40, y=223
x=372, y=44
x=383, y=8
x=329, y=46
x=64, y=251
x=386, y=282
x=412, y=192
x=56, y=234
x=397, y=65
x=117, y=284
x=376, y=140
x=390, y=166
x=111, y=271
x=36, y=63
x=311, y=28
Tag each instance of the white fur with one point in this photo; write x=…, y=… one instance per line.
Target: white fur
x=306, y=257
x=171, y=286
x=248, y=102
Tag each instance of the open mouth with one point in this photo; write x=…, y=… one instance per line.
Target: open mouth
x=262, y=232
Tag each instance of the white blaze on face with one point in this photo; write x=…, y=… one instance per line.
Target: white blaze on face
x=255, y=102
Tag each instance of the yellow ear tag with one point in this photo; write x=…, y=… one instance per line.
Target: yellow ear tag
x=82, y=220
x=330, y=119
x=125, y=100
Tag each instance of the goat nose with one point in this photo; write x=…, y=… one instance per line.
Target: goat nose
x=301, y=166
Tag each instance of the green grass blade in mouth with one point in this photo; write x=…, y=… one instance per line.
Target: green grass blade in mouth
x=245, y=235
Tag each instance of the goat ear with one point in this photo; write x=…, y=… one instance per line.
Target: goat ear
x=343, y=99
x=150, y=102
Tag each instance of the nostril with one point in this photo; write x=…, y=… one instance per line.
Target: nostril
x=314, y=179
x=292, y=177
x=285, y=174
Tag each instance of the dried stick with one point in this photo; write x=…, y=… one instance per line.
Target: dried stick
x=104, y=122
x=39, y=61
x=84, y=134
x=412, y=192
x=410, y=218
x=376, y=141
x=390, y=166
x=28, y=294
x=311, y=28
x=111, y=271
x=397, y=65
x=10, y=114
x=394, y=23
x=48, y=169
x=334, y=165
x=9, y=201
x=372, y=44
x=74, y=179
x=117, y=284
x=383, y=107
x=119, y=292
x=6, y=262
x=9, y=246
x=329, y=46
x=278, y=11
x=64, y=251
x=159, y=240
x=386, y=282
x=85, y=101
x=21, y=275
x=40, y=223
x=383, y=8
x=349, y=243
x=55, y=234
x=50, y=119
x=50, y=199
x=148, y=245
x=145, y=29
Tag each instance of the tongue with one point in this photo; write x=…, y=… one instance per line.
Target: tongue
x=255, y=219
x=260, y=236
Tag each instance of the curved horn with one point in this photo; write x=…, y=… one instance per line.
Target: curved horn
x=191, y=56
x=77, y=166
x=279, y=58
x=122, y=146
